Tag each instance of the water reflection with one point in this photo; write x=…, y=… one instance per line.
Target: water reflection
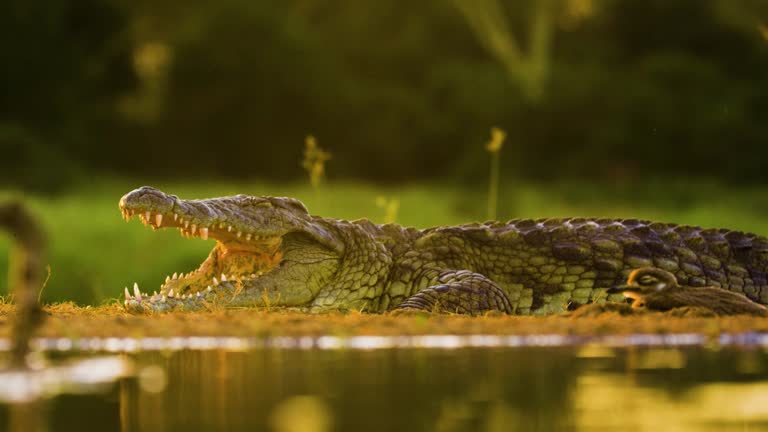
x=590, y=387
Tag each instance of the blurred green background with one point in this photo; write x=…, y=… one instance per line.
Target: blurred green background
x=641, y=108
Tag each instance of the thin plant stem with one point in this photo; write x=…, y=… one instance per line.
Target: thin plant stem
x=493, y=146
x=493, y=187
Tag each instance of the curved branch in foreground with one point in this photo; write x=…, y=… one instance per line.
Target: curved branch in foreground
x=26, y=272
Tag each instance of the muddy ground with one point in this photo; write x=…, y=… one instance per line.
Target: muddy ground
x=69, y=320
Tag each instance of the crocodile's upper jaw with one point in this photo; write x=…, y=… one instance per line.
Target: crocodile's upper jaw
x=242, y=252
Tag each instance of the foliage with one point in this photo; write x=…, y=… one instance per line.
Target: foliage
x=623, y=89
x=314, y=161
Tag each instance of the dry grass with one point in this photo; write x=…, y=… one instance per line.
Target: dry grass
x=69, y=320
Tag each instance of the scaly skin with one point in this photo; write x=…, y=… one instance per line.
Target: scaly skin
x=274, y=253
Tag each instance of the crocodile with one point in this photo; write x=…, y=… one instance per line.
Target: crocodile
x=270, y=251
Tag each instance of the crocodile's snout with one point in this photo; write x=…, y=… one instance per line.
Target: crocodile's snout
x=147, y=197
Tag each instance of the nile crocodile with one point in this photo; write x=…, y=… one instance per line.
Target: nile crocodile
x=271, y=252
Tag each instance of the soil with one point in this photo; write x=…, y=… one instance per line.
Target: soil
x=69, y=320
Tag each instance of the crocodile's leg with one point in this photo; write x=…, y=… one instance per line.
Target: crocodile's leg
x=462, y=292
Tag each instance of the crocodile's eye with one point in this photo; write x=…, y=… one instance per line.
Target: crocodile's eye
x=647, y=280
x=260, y=203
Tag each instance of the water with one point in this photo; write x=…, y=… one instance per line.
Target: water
x=538, y=388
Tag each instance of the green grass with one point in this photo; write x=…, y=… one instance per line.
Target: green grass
x=93, y=253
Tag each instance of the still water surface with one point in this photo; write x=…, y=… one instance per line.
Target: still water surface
x=468, y=389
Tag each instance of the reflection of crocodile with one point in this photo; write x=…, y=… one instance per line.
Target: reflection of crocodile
x=271, y=252
x=657, y=289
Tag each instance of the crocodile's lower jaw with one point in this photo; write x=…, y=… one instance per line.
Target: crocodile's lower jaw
x=234, y=263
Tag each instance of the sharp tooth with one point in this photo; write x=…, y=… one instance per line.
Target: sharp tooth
x=223, y=277
x=209, y=288
x=199, y=295
x=147, y=216
x=162, y=299
x=127, y=295
x=204, y=233
x=154, y=293
x=158, y=219
x=221, y=225
x=215, y=281
x=186, y=224
x=175, y=217
x=126, y=302
x=239, y=234
x=170, y=293
x=175, y=275
x=136, y=292
x=248, y=236
x=167, y=279
x=229, y=228
x=194, y=229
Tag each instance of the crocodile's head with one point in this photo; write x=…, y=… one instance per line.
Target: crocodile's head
x=249, y=233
